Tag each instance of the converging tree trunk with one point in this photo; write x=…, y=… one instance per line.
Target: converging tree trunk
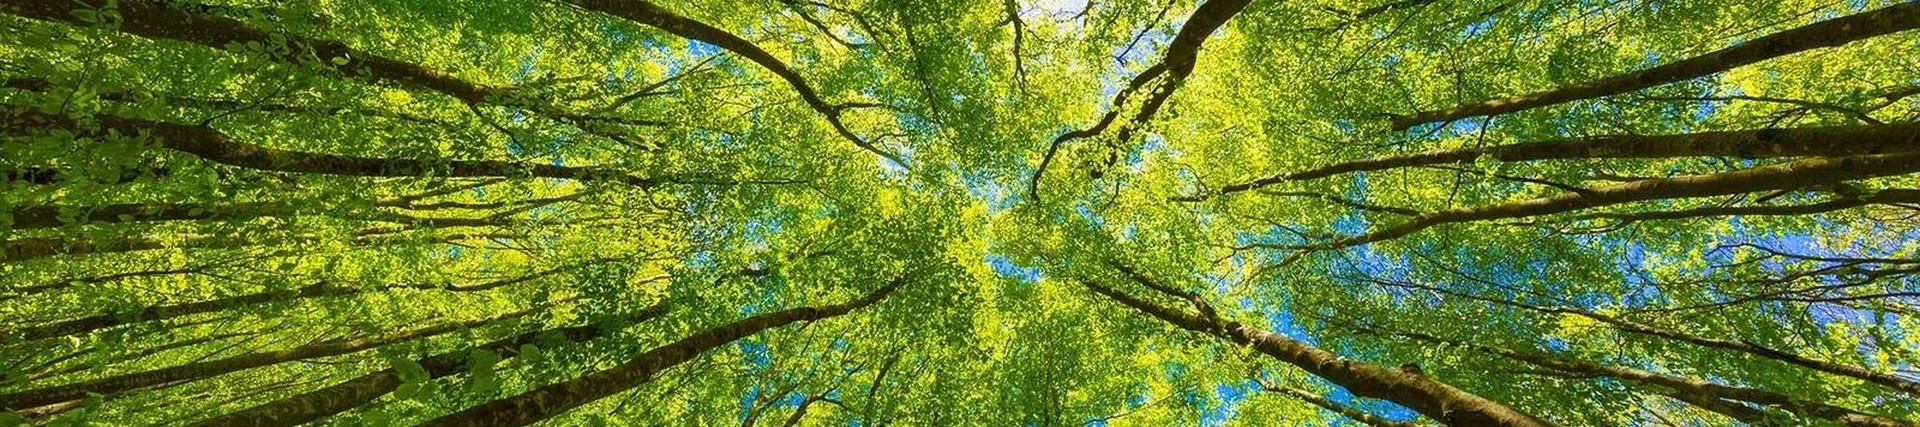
x=1764, y=143
x=314, y=405
x=1829, y=33
x=1428, y=396
x=553, y=399
x=122, y=383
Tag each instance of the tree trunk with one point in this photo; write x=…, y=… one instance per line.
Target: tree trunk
x=317, y=404
x=152, y=19
x=1796, y=174
x=1182, y=52
x=1429, y=397
x=164, y=312
x=1343, y=410
x=109, y=386
x=545, y=402
x=213, y=145
x=1833, y=32
x=1763, y=143
x=1705, y=394
x=652, y=15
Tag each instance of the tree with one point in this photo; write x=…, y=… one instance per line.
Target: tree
x=980, y=212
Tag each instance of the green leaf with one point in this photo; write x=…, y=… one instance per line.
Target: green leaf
x=480, y=373
x=407, y=390
x=410, y=371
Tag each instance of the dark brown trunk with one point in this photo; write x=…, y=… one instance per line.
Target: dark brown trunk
x=1705, y=394
x=1885, y=379
x=652, y=15
x=34, y=248
x=1885, y=196
x=62, y=283
x=1427, y=396
x=1346, y=411
x=156, y=20
x=36, y=217
x=164, y=312
x=1833, y=32
x=1797, y=174
x=317, y=404
x=1181, y=55
x=1764, y=143
x=122, y=383
x=213, y=145
x=49, y=176
x=553, y=399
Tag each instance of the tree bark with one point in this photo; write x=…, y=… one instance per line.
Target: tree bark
x=1743, y=346
x=553, y=399
x=1796, y=174
x=1181, y=55
x=37, y=217
x=41, y=247
x=1429, y=397
x=109, y=386
x=213, y=145
x=49, y=176
x=1877, y=197
x=152, y=19
x=314, y=405
x=1833, y=32
x=1763, y=143
x=164, y=312
x=651, y=15
x=1328, y=404
x=1705, y=394
x=319, y=290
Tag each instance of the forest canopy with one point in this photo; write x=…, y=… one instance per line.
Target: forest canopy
x=971, y=212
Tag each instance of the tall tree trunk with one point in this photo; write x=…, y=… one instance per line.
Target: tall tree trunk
x=1744, y=346
x=319, y=290
x=1796, y=174
x=652, y=15
x=154, y=19
x=1803, y=142
x=51, y=175
x=44, y=369
x=1178, y=62
x=42, y=247
x=216, y=146
x=317, y=404
x=554, y=399
x=26, y=399
x=163, y=312
x=1829, y=33
x=1346, y=411
x=1705, y=394
x=1887, y=196
x=40, y=217
x=1429, y=397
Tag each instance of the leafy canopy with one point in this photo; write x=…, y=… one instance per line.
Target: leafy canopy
x=1015, y=212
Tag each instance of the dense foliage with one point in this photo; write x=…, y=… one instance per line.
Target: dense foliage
x=975, y=212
